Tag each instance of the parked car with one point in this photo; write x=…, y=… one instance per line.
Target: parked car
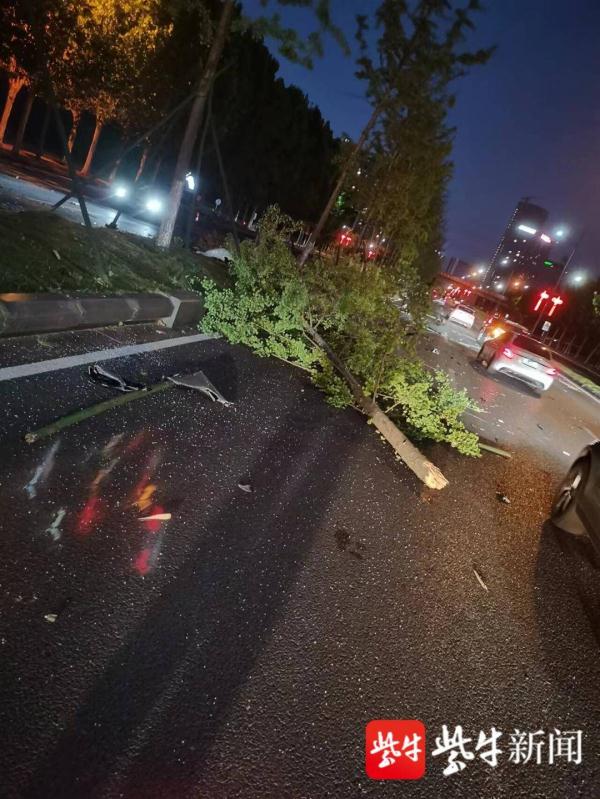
x=462, y=315
x=576, y=506
x=521, y=357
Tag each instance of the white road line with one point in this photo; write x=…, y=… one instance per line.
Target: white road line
x=574, y=387
x=54, y=364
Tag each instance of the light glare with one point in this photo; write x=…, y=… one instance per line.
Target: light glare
x=154, y=205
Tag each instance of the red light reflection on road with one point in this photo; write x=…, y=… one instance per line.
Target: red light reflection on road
x=147, y=557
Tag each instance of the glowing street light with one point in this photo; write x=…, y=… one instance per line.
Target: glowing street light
x=560, y=233
x=499, y=287
x=579, y=278
x=546, y=238
x=505, y=261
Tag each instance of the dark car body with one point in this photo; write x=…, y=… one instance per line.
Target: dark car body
x=576, y=506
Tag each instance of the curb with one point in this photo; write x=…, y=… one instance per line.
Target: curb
x=23, y=314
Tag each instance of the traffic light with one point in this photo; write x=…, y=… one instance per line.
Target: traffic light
x=556, y=301
x=543, y=296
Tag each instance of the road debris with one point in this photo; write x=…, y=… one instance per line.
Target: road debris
x=56, y=254
x=479, y=579
x=220, y=253
x=197, y=381
x=502, y=498
x=247, y=488
x=568, y=454
x=435, y=351
x=200, y=382
x=495, y=450
x=51, y=617
x=108, y=379
x=94, y=410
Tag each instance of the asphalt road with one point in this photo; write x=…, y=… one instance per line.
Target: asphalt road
x=553, y=427
x=239, y=648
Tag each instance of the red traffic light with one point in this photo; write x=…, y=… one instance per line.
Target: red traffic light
x=556, y=301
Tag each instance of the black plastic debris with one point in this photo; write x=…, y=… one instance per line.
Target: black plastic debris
x=200, y=382
x=100, y=375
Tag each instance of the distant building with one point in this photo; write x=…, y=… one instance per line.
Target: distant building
x=522, y=256
x=458, y=267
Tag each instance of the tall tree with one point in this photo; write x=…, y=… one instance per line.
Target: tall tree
x=33, y=56
x=116, y=39
x=419, y=45
x=290, y=45
x=17, y=79
x=195, y=120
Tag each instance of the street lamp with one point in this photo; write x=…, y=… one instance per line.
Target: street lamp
x=560, y=233
x=579, y=278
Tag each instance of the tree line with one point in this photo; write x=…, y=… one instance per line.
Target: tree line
x=125, y=65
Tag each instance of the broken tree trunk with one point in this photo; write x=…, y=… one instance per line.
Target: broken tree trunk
x=415, y=460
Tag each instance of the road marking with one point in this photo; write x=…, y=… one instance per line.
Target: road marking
x=590, y=432
x=68, y=361
x=565, y=381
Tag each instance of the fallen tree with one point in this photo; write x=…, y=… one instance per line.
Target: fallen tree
x=338, y=323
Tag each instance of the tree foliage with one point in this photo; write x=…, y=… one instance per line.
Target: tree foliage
x=271, y=305
x=277, y=147
x=406, y=163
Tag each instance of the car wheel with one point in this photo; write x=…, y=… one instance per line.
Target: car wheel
x=564, y=508
x=487, y=363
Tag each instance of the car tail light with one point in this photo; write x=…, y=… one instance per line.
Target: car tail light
x=508, y=353
x=550, y=370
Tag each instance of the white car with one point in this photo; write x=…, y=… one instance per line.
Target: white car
x=462, y=315
x=521, y=357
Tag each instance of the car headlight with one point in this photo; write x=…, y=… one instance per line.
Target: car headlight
x=154, y=205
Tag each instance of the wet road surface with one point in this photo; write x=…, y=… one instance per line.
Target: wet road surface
x=239, y=647
x=554, y=426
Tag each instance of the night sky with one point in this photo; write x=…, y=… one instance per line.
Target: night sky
x=528, y=123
